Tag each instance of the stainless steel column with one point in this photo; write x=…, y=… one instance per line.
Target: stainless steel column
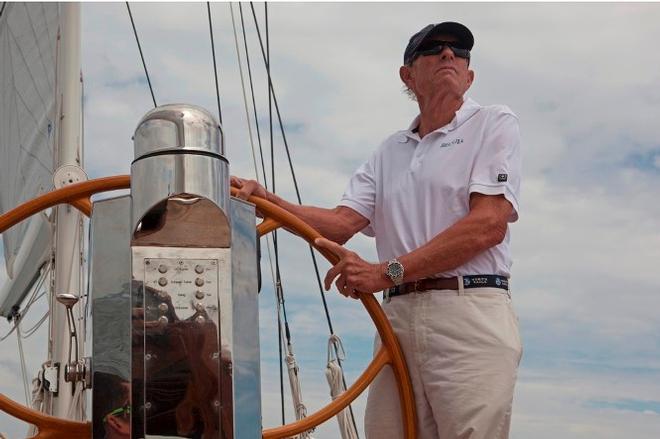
x=194, y=367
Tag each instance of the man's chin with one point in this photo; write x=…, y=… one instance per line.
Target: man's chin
x=446, y=84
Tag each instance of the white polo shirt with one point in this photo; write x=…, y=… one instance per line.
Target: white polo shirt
x=412, y=189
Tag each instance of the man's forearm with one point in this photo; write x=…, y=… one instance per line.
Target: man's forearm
x=324, y=221
x=450, y=249
x=484, y=227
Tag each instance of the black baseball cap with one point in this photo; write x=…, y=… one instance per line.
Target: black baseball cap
x=464, y=38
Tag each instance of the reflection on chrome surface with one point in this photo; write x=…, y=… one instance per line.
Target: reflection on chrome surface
x=111, y=309
x=182, y=372
x=181, y=380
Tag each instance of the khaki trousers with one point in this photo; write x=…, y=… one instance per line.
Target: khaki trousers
x=463, y=349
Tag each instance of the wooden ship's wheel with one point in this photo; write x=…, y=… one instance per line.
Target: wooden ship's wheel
x=78, y=195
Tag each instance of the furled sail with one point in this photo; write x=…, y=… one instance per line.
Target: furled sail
x=28, y=45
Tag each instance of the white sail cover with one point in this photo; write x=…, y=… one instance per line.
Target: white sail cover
x=28, y=42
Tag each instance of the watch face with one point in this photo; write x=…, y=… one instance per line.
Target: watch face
x=394, y=269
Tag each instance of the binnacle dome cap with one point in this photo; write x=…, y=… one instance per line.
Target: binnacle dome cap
x=178, y=127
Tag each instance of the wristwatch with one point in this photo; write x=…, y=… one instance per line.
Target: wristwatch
x=394, y=271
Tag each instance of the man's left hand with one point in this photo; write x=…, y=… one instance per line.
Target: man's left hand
x=355, y=274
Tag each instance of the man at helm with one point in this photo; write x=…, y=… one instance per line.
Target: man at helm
x=437, y=197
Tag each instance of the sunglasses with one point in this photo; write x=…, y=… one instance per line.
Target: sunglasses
x=124, y=412
x=435, y=47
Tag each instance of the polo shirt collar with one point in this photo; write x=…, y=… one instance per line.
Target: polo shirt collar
x=467, y=110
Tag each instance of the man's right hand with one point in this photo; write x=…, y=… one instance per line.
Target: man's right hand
x=247, y=187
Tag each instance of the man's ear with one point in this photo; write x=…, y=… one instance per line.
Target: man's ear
x=470, y=78
x=405, y=74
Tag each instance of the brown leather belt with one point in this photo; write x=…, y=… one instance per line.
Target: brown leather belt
x=451, y=283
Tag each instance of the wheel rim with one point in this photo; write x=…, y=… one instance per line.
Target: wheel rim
x=390, y=353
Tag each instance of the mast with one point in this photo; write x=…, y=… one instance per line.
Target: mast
x=68, y=257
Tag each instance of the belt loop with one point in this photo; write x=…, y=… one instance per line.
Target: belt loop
x=461, y=286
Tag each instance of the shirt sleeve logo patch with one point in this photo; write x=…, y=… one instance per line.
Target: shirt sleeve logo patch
x=502, y=177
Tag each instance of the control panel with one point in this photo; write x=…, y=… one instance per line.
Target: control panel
x=188, y=286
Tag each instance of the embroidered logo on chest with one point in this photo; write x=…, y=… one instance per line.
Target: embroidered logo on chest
x=453, y=142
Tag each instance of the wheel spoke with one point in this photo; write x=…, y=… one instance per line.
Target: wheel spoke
x=84, y=205
x=267, y=226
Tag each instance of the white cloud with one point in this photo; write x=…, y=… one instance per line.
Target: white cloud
x=656, y=161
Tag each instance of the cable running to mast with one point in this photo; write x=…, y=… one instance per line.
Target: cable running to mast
x=280, y=291
x=283, y=336
x=271, y=94
x=144, y=64
x=215, y=66
x=21, y=354
x=276, y=287
x=254, y=104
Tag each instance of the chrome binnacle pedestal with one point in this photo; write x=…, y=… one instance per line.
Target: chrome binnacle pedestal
x=174, y=279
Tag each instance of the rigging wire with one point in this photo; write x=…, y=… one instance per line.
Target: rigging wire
x=35, y=328
x=276, y=286
x=215, y=65
x=277, y=107
x=271, y=94
x=284, y=333
x=280, y=292
x=144, y=64
x=2, y=8
x=22, y=357
x=270, y=97
x=32, y=299
x=276, y=250
x=242, y=76
x=11, y=331
x=254, y=104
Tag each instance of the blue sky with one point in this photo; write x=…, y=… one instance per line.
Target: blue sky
x=584, y=80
